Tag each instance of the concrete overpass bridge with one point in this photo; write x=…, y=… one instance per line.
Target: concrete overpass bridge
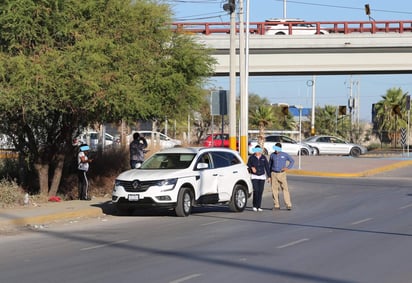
x=347, y=48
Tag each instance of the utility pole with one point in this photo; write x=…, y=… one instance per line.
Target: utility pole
x=231, y=8
x=351, y=104
x=243, y=93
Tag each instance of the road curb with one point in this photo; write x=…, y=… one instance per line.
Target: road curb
x=53, y=216
x=365, y=173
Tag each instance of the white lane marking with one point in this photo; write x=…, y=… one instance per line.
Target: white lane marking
x=293, y=243
x=214, y=222
x=186, y=278
x=406, y=206
x=105, y=245
x=361, y=221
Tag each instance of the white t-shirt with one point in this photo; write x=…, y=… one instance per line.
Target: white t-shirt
x=82, y=166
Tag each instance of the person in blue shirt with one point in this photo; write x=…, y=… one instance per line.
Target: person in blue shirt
x=279, y=163
x=259, y=169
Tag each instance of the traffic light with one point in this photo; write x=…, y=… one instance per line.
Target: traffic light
x=342, y=110
x=367, y=10
x=230, y=6
x=408, y=102
x=285, y=110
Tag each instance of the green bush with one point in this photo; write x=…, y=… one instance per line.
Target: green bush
x=103, y=171
x=8, y=168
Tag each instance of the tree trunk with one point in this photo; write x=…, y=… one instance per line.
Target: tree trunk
x=261, y=137
x=58, y=171
x=43, y=173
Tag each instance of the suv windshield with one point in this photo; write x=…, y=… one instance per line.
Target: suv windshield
x=168, y=161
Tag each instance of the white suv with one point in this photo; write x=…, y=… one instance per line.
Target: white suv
x=180, y=178
x=298, y=27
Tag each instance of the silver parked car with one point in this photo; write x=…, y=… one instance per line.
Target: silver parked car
x=331, y=145
x=289, y=145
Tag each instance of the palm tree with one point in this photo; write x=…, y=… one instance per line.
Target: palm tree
x=262, y=117
x=328, y=122
x=391, y=113
x=282, y=121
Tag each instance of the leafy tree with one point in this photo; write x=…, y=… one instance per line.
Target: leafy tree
x=391, y=113
x=68, y=64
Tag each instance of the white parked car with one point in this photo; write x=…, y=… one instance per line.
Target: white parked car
x=297, y=27
x=323, y=145
x=164, y=141
x=289, y=145
x=93, y=140
x=181, y=178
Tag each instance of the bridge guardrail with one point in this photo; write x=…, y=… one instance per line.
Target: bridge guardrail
x=341, y=27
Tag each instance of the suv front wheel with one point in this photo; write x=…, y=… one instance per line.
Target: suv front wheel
x=184, y=203
x=239, y=199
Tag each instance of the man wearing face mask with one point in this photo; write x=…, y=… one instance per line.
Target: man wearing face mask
x=279, y=163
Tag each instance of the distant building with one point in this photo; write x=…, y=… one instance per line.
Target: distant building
x=306, y=112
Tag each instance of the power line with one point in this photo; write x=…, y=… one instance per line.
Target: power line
x=207, y=16
x=345, y=7
x=202, y=17
x=220, y=13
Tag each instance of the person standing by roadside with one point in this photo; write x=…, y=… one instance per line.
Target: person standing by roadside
x=259, y=168
x=83, y=166
x=136, y=149
x=279, y=163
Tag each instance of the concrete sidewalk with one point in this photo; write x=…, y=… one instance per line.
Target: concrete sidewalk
x=50, y=212
x=325, y=166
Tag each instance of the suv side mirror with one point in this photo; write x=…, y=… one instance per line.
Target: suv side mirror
x=202, y=165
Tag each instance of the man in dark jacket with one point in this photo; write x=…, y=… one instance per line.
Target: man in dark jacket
x=137, y=151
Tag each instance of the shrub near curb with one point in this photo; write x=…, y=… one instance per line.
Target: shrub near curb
x=10, y=194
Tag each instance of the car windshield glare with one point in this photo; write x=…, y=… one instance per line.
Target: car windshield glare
x=168, y=161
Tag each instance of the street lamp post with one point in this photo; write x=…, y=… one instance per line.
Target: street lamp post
x=312, y=83
x=300, y=131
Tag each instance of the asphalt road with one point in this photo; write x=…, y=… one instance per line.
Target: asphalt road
x=340, y=231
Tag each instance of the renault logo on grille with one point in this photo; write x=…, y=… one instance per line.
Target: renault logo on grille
x=135, y=184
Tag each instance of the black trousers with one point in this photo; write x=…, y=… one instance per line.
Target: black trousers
x=258, y=187
x=83, y=184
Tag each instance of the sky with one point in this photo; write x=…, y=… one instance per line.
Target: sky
x=294, y=90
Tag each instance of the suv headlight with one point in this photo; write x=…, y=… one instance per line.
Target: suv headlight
x=167, y=184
